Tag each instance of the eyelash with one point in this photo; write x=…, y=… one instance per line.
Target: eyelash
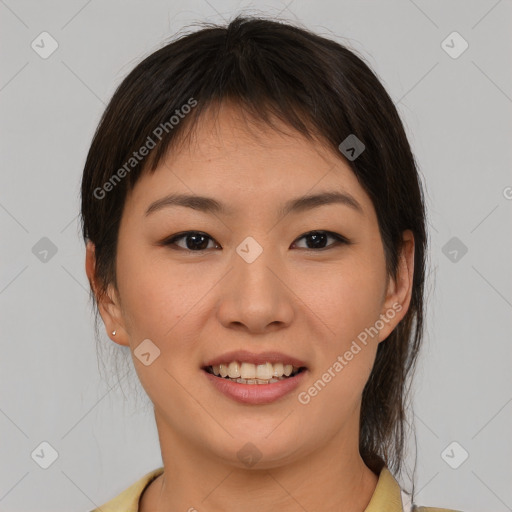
x=339, y=240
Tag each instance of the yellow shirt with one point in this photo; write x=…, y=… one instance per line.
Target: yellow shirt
x=387, y=497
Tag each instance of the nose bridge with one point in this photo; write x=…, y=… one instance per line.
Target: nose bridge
x=254, y=261
x=255, y=296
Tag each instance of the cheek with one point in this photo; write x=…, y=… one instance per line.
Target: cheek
x=359, y=307
x=349, y=305
x=155, y=294
x=348, y=299
x=158, y=304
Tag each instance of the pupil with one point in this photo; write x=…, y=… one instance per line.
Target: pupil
x=194, y=245
x=318, y=240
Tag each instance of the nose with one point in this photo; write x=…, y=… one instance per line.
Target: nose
x=255, y=297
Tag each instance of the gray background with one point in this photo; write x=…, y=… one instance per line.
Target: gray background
x=457, y=112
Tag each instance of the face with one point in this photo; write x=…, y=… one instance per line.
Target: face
x=268, y=271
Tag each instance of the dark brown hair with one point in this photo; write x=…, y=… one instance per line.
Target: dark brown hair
x=321, y=89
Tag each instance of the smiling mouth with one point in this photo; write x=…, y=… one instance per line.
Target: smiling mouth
x=248, y=373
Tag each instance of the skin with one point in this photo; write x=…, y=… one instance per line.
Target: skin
x=307, y=303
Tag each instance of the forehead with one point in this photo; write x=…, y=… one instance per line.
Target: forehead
x=227, y=130
x=240, y=161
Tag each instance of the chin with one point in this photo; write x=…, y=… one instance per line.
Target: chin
x=257, y=452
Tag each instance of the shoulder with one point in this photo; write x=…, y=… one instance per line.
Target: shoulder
x=389, y=496
x=128, y=500
x=408, y=506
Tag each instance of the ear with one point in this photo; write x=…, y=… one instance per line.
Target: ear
x=108, y=304
x=399, y=290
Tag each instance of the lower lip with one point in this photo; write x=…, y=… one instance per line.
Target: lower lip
x=256, y=393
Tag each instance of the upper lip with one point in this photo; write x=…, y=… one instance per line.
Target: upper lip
x=244, y=356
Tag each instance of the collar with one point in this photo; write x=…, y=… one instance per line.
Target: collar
x=387, y=495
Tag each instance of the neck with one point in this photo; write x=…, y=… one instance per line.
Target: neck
x=332, y=477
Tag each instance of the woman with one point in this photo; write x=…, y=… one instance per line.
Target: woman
x=255, y=234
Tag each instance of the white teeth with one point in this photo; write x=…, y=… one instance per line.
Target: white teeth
x=264, y=371
x=278, y=369
x=258, y=381
x=248, y=373
x=234, y=370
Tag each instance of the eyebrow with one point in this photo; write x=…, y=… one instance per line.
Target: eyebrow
x=300, y=204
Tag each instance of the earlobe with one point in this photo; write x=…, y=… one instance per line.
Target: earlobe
x=111, y=314
x=107, y=302
x=399, y=291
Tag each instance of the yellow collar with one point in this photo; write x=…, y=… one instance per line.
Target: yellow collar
x=387, y=494
x=386, y=497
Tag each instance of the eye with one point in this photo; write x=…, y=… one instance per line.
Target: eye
x=317, y=239
x=195, y=241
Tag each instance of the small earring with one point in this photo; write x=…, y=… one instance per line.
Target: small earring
x=113, y=333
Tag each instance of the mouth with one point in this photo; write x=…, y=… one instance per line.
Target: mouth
x=255, y=384
x=255, y=378
x=242, y=372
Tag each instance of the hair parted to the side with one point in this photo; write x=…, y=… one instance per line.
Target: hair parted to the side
x=319, y=88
